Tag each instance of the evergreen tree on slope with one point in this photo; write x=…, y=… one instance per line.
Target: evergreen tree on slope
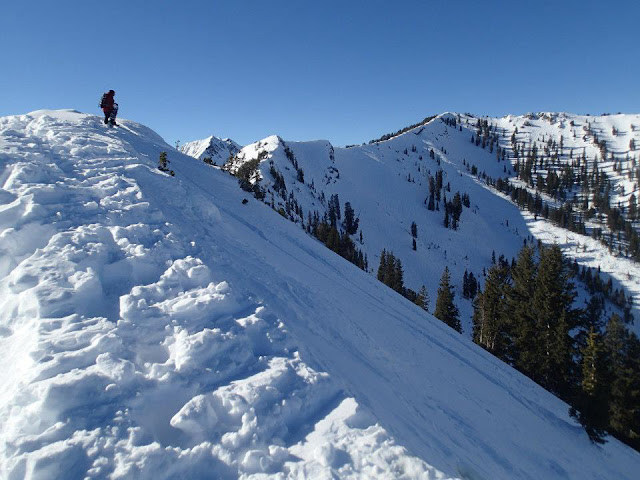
x=591, y=405
x=490, y=317
x=554, y=316
x=519, y=299
x=446, y=309
x=623, y=351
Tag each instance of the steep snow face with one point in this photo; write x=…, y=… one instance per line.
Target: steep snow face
x=157, y=327
x=219, y=150
x=124, y=354
x=387, y=186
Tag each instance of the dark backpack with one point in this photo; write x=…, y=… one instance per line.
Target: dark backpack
x=103, y=100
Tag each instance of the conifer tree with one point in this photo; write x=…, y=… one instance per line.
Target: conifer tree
x=552, y=306
x=350, y=223
x=465, y=284
x=163, y=164
x=431, y=205
x=382, y=268
x=398, y=277
x=591, y=405
x=519, y=298
x=334, y=210
x=491, y=326
x=472, y=286
x=456, y=210
x=623, y=351
x=390, y=272
x=422, y=299
x=446, y=309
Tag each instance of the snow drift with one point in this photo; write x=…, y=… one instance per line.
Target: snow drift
x=157, y=327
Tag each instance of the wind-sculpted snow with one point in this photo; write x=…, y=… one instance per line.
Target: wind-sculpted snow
x=124, y=355
x=157, y=327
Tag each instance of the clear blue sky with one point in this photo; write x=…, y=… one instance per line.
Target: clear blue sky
x=346, y=71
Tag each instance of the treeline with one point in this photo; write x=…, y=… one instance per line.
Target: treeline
x=567, y=217
x=335, y=230
x=390, y=273
x=551, y=171
x=544, y=170
x=337, y=240
x=402, y=130
x=328, y=228
x=526, y=317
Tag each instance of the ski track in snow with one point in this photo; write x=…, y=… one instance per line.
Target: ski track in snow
x=155, y=327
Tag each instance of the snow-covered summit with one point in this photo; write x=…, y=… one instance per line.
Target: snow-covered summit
x=219, y=150
x=158, y=327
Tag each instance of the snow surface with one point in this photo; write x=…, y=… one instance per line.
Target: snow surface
x=157, y=327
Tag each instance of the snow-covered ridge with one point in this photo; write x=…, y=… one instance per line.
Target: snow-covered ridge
x=120, y=347
x=218, y=150
x=157, y=327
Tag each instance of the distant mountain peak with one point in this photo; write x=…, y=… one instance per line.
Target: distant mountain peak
x=218, y=149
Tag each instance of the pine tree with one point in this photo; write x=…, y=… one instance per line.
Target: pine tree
x=398, y=277
x=350, y=223
x=390, y=272
x=491, y=326
x=623, y=351
x=422, y=299
x=382, y=268
x=473, y=286
x=519, y=298
x=465, y=284
x=334, y=210
x=431, y=205
x=446, y=309
x=456, y=210
x=163, y=164
x=555, y=317
x=591, y=405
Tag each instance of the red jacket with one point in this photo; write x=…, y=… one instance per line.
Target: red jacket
x=108, y=103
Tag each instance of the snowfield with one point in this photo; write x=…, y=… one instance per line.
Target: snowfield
x=157, y=327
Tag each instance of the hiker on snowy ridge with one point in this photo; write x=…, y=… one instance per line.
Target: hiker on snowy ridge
x=109, y=107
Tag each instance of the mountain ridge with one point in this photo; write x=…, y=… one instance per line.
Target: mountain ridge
x=202, y=335
x=428, y=158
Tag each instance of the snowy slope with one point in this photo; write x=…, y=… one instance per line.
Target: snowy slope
x=155, y=326
x=387, y=185
x=219, y=150
x=387, y=189
x=578, y=133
